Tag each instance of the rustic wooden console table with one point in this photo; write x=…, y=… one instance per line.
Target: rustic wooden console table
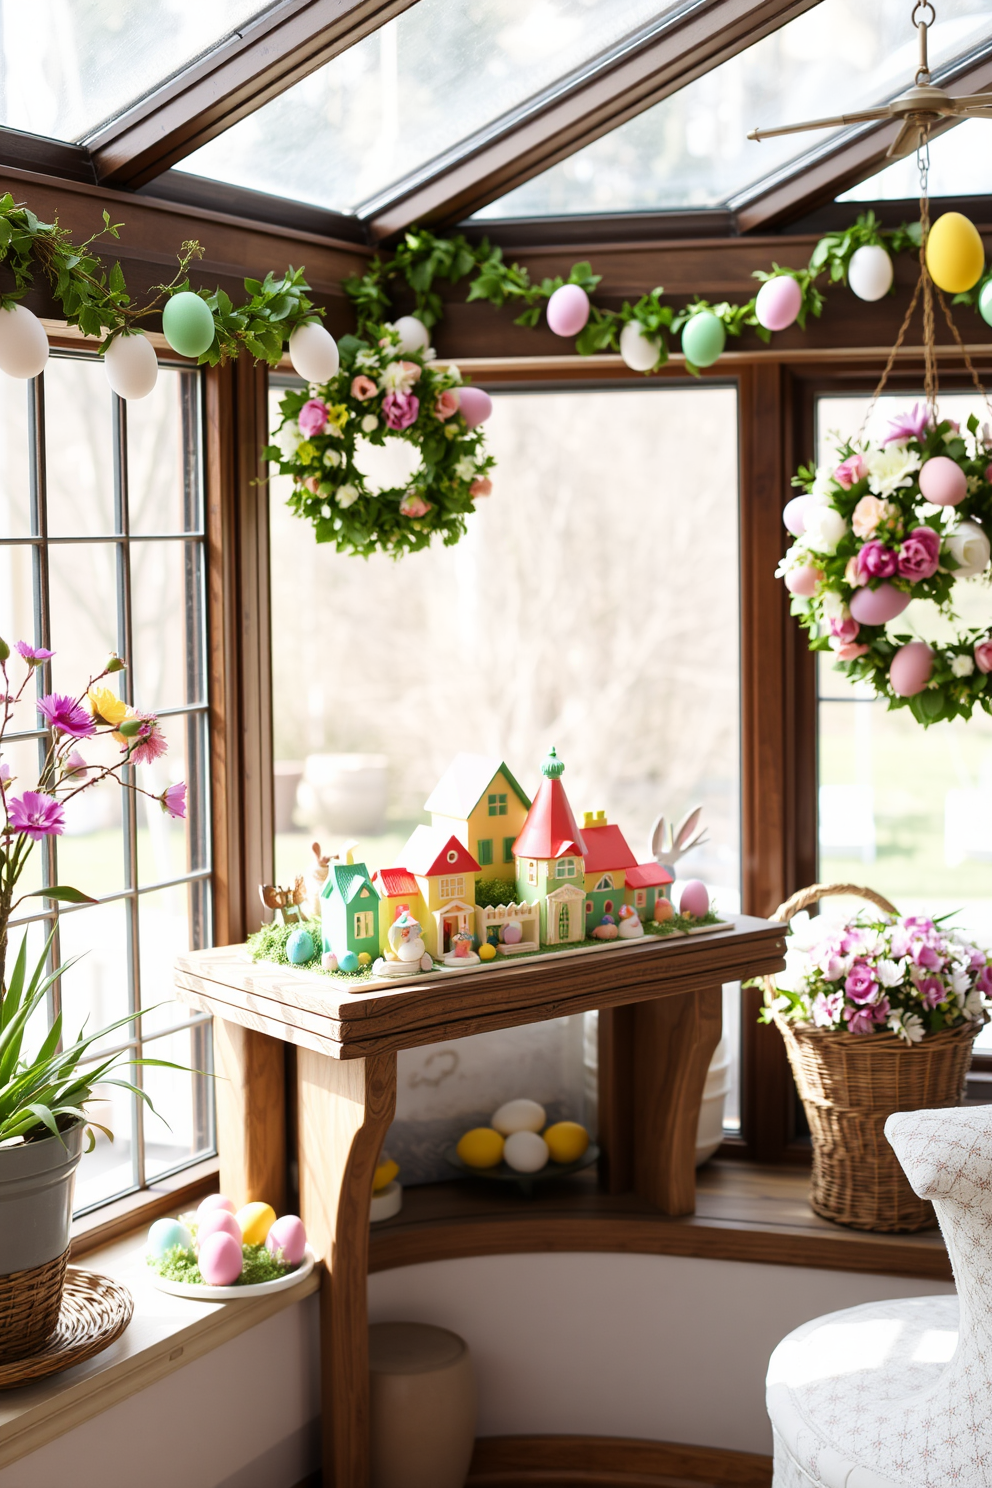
x=660, y=1021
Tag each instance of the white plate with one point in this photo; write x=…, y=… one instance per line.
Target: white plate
x=204, y=1293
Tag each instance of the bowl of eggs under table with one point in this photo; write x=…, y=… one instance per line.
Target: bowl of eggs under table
x=518, y=1146
x=221, y=1252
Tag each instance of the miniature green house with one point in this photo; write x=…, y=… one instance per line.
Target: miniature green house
x=349, y=911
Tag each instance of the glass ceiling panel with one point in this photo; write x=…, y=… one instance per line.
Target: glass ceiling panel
x=692, y=150
x=69, y=65
x=960, y=165
x=410, y=92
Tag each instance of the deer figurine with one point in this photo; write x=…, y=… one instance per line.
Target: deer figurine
x=286, y=902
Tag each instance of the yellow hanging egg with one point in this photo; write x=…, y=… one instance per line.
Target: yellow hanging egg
x=955, y=255
x=255, y=1220
x=384, y=1174
x=481, y=1147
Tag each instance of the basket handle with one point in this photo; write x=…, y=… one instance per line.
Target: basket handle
x=803, y=898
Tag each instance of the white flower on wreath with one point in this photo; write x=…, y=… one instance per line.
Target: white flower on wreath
x=465, y=468
x=890, y=973
x=331, y=458
x=325, y=510
x=288, y=439
x=347, y=495
x=453, y=372
x=369, y=422
x=891, y=469
x=834, y=607
x=962, y=666
x=824, y=529
x=974, y=1004
x=823, y=483
x=793, y=557
x=399, y=377
x=908, y=1026
x=960, y=982
x=367, y=359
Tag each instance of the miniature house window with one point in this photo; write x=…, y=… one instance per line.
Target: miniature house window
x=508, y=849
x=589, y=906
x=532, y=870
x=640, y=898
x=497, y=805
x=485, y=853
x=565, y=868
x=452, y=888
x=606, y=882
x=364, y=925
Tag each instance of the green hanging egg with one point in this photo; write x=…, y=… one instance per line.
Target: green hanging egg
x=188, y=324
x=985, y=302
x=703, y=338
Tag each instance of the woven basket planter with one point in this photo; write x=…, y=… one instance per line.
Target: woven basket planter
x=30, y=1302
x=849, y=1084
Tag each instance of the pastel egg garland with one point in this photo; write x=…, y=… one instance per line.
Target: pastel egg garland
x=884, y=525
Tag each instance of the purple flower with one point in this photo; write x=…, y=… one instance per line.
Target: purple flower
x=66, y=716
x=860, y=1020
x=313, y=418
x=173, y=800
x=922, y=924
x=876, y=561
x=827, y=1007
x=925, y=955
x=860, y=985
x=932, y=991
x=36, y=815
x=909, y=425
x=984, y=981
x=33, y=655
x=400, y=409
x=919, y=555
x=5, y=775
x=75, y=765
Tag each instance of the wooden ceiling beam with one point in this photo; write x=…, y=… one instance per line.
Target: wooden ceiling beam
x=266, y=57
x=673, y=53
x=814, y=178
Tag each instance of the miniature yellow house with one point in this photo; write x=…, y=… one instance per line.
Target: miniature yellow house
x=445, y=872
x=398, y=890
x=482, y=804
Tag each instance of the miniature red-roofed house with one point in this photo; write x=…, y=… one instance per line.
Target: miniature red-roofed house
x=445, y=872
x=550, y=852
x=646, y=884
x=398, y=890
x=607, y=861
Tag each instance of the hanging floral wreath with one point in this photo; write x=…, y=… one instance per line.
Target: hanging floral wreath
x=384, y=390
x=894, y=521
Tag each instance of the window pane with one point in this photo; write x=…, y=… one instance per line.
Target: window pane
x=79, y=448
x=164, y=492
x=15, y=508
x=108, y=1170
x=960, y=165
x=91, y=852
x=164, y=934
x=95, y=989
x=692, y=149
x=66, y=68
x=83, y=601
x=166, y=584
x=17, y=623
x=451, y=68
x=168, y=846
x=181, y=1127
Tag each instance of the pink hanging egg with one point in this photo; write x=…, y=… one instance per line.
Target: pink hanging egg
x=803, y=581
x=911, y=668
x=289, y=1236
x=943, y=482
x=568, y=310
x=878, y=606
x=794, y=514
x=778, y=303
x=475, y=405
x=695, y=899
x=220, y=1260
x=217, y=1201
x=217, y=1222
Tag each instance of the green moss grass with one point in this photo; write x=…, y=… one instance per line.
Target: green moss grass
x=259, y=1265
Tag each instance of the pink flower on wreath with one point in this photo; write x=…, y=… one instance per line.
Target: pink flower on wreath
x=851, y=650
x=151, y=743
x=850, y=471
x=983, y=656
x=844, y=630
x=173, y=800
x=66, y=716
x=313, y=418
x=932, y=991
x=827, y=1007
x=363, y=388
x=876, y=561
x=909, y=425
x=983, y=982
x=881, y=1010
x=33, y=655
x=483, y=486
x=446, y=404
x=861, y=985
x=860, y=1019
x=400, y=409
x=415, y=505
x=869, y=514
x=36, y=815
x=919, y=555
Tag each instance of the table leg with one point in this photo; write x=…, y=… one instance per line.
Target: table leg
x=251, y=1114
x=345, y=1109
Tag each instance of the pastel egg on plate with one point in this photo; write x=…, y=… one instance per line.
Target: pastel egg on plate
x=568, y=310
x=911, y=668
x=166, y=1234
x=217, y=1201
x=870, y=272
x=695, y=899
x=482, y=1147
x=663, y=910
x=513, y=933
x=778, y=303
x=519, y=1115
x=526, y=1152
x=256, y=1220
x=943, y=482
x=878, y=606
x=288, y=1236
x=220, y=1260
x=218, y=1222
x=567, y=1141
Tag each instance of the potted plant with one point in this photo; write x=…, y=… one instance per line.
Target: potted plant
x=45, y=1084
x=879, y=1014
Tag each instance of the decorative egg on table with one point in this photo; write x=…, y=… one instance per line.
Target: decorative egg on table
x=910, y=668
x=513, y=933
x=568, y=310
x=695, y=899
x=566, y=1141
x=217, y=1222
x=300, y=947
x=519, y=1115
x=955, y=253
x=23, y=343
x=487, y=952
x=878, y=606
x=329, y=962
x=606, y=929
x=870, y=272
x=256, y=1220
x=131, y=365
x=475, y=405
x=288, y=1237
x=526, y=1152
x=703, y=338
x=413, y=334
x=313, y=352
x=943, y=482
x=778, y=302
x=220, y=1260
x=188, y=324
x=638, y=348
x=482, y=1147
x=216, y=1201
x=164, y=1235
x=386, y=1170
x=664, y=909
x=348, y=962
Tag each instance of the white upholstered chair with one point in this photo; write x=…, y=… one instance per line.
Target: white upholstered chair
x=899, y=1394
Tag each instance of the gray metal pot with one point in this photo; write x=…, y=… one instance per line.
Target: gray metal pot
x=36, y=1184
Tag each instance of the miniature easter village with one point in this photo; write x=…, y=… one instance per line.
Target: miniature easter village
x=494, y=875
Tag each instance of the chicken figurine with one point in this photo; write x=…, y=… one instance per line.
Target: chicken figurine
x=606, y=929
x=630, y=923
x=405, y=949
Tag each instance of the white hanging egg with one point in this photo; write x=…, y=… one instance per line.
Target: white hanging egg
x=870, y=272
x=639, y=350
x=131, y=365
x=23, y=343
x=313, y=352
x=413, y=334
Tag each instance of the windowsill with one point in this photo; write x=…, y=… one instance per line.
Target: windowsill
x=164, y=1334
x=121, y=1217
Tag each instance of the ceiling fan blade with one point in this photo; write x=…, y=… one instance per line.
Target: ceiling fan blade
x=978, y=113
x=866, y=116
x=971, y=100
x=906, y=141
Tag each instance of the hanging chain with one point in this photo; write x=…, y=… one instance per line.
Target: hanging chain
x=922, y=23
x=931, y=384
